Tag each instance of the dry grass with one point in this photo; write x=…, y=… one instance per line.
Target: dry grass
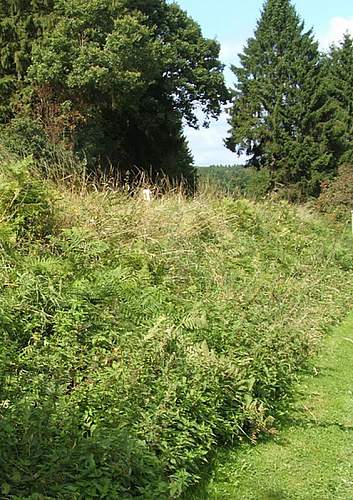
x=182, y=321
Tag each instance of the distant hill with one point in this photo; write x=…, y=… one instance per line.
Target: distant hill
x=236, y=179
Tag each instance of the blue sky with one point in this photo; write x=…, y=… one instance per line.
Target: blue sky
x=232, y=22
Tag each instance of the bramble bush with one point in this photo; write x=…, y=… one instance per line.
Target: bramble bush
x=336, y=198
x=25, y=201
x=136, y=338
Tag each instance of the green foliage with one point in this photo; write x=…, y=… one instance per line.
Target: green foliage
x=137, y=338
x=310, y=455
x=20, y=24
x=113, y=81
x=237, y=180
x=282, y=117
x=340, y=75
x=336, y=197
x=25, y=203
x=24, y=137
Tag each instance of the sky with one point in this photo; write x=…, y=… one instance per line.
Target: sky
x=232, y=22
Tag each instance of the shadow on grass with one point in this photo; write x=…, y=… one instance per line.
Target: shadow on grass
x=289, y=414
x=283, y=418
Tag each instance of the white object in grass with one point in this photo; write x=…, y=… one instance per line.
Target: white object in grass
x=147, y=195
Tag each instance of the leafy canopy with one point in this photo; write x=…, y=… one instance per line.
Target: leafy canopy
x=116, y=80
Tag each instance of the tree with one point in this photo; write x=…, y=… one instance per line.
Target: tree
x=116, y=80
x=281, y=117
x=340, y=74
x=20, y=24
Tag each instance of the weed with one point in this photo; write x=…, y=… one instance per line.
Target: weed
x=137, y=337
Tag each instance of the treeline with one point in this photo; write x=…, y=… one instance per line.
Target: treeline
x=292, y=111
x=235, y=180
x=110, y=80
x=113, y=82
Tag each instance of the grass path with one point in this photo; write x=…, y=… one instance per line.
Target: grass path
x=312, y=456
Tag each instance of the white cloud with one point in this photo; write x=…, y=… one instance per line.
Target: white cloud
x=337, y=28
x=207, y=144
x=230, y=50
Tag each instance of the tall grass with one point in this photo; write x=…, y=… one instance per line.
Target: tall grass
x=137, y=337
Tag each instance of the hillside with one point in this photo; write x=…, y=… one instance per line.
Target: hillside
x=311, y=457
x=136, y=338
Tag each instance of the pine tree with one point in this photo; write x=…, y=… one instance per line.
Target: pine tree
x=281, y=117
x=340, y=75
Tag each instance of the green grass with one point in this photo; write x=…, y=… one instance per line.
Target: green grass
x=137, y=339
x=312, y=455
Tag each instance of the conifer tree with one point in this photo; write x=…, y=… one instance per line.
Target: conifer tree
x=281, y=117
x=340, y=75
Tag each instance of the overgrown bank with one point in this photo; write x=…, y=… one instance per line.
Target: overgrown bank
x=312, y=455
x=136, y=338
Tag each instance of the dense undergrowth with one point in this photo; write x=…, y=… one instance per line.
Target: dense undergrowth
x=336, y=198
x=135, y=338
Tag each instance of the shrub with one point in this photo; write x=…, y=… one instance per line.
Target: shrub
x=24, y=137
x=336, y=197
x=25, y=202
x=139, y=337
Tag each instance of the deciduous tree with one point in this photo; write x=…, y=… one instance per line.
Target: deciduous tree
x=116, y=80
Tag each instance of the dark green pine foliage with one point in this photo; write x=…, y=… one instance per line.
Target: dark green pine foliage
x=282, y=117
x=21, y=23
x=340, y=74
